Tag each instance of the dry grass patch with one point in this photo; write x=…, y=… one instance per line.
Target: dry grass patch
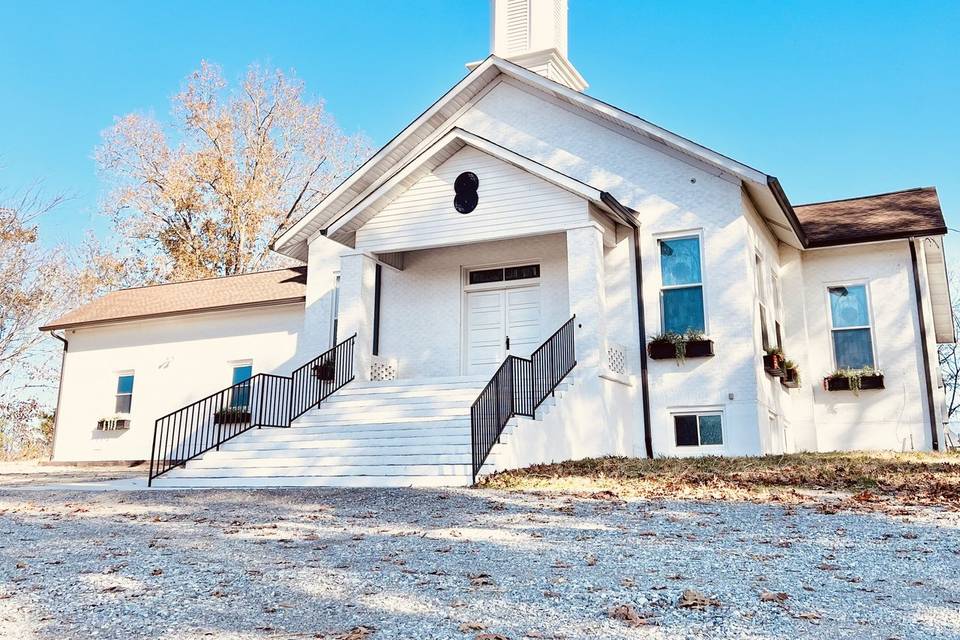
x=864, y=479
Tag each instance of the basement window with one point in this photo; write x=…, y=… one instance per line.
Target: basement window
x=698, y=430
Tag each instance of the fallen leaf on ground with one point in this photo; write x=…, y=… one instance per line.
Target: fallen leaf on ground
x=627, y=614
x=770, y=596
x=472, y=626
x=693, y=599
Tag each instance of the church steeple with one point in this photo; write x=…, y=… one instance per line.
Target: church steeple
x=533, y=34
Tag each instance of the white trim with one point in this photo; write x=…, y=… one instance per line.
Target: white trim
x=466, y=288
x=678, y=235
x=865, y=283
x=705, y=410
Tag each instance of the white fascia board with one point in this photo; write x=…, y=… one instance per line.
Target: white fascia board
x=297, y=232
x=453, y=141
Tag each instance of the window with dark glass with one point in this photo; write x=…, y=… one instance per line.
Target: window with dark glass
x=681, y=294
x=697, y=430
x=850, y=327
x=241, y=394
x=485, y=276
x=124, y=393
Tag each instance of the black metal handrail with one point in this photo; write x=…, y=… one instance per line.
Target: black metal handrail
x=518, y=387
x=315, y=381
x=180, y=436
x=264, y=400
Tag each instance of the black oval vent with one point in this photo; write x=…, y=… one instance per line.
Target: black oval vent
x=465, y=187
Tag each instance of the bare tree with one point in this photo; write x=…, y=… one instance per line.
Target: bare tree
x=238, y=167
x=33, y=286
x=949, y=357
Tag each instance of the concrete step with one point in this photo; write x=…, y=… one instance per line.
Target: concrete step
x=359, y=421
x=249, y=444
x=311, y=448
x=217, y=461
x=169, y=481
x=194, y=471
x=386, y=410
x=363, y=403
x=364, y=432
x=455, y=393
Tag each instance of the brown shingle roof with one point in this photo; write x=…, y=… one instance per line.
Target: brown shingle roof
x=914, y=212
x=215, y=294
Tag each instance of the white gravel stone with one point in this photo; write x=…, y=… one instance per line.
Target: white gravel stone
x=414, y=564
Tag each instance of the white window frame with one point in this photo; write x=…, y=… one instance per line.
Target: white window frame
x=873, y=334
x=777, y=294
x=501, y=284
x=760, y=284
x=679, y=235
x=116, y=381
x=466, y=288
x=699, y=411
x=334, y=309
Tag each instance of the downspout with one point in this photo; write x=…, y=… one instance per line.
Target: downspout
x=56, y=411
x=642, y=328
x=378, y=276
x=931, y=406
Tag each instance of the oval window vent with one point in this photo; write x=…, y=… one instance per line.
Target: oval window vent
x=465, y=187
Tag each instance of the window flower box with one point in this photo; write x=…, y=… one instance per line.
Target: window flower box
x=231, y=416
x=667, y=346
x=791, y=375
x=115, y=423
x=325, y=371
x=854, y=380
x=773, y=363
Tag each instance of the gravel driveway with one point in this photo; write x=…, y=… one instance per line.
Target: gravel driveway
x=426, y=564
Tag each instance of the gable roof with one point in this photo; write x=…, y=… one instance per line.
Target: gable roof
x=439, y=152
x=281, y=286
x=886, y=216
x=423, y=131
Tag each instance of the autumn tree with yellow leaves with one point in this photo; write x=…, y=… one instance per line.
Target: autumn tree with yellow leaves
x=207, y=196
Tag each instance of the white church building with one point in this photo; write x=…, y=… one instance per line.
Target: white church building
x=525, y=274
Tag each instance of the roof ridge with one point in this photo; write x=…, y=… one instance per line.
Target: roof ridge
x=232, y=275
x=872, y=195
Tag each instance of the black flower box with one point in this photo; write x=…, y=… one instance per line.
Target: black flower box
x=773, y=364
x=842, y=383
x=231, y=416
x=668, y=351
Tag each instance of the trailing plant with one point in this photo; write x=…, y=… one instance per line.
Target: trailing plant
x=790, y=365
x=773, y=351
x=115, y=422
x=679, y=341
x=854, y=377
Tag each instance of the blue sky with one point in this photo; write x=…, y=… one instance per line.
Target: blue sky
x=836, y=99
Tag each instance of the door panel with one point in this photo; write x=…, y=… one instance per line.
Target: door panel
x=523, y=320
x=494, y=315
x=485, y=332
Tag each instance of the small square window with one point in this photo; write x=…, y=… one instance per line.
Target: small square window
x=695, y=430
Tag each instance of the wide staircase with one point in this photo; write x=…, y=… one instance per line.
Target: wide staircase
x=318, y=427
x=389, y=434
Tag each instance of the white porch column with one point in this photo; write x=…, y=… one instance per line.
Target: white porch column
x=323, y=264
x=357, y=280
x=585, y=277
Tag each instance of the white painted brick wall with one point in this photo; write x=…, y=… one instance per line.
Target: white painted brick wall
x=421, y=306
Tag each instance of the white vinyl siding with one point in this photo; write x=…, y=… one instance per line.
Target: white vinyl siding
x=513, y=203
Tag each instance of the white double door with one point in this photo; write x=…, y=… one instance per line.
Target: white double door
x=501, y=322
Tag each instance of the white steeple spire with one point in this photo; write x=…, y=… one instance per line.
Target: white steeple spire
x=533, y=34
